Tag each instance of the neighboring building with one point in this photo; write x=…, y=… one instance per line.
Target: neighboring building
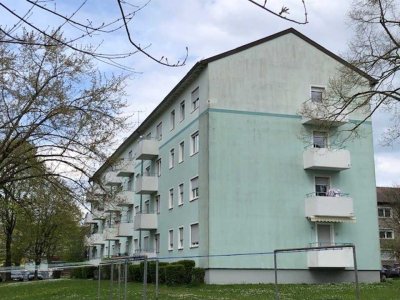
x=388, y=222
x=226, y=165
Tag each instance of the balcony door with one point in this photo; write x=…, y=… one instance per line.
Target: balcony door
x=324, y=234
x=322, y=186
x=320, y=139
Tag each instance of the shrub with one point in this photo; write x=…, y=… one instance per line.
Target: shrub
x=135, y=273
x=188, y=265
x=175, y=274
x=83, y=272
x=198, y=275
x=57, y=274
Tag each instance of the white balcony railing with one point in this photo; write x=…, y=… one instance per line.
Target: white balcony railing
x=95, y=239
x=125, y=229
x=326, y=159
x=331, y=258
x=125, y=169
x=145, y=221
x=338, y=207
x=125, y=198
x=147, y=149
x=146, y=184
x=110, y=233
x=150, y=253
x=111, y=179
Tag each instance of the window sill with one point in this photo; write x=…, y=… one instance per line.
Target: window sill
x=170, y=208
x=194, y=110
x=179, y=162
x=193, y=199
x=170, y=250
x=191, y=154
x=194, y=246
x=180, y=248
x=181, y=204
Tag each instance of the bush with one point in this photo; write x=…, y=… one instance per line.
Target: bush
x=57, y=274
x=83, y=273
x=175, y=274
x=135, y=273
x=188, y=265
x=198, y=275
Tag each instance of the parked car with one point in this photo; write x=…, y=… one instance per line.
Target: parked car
x=18, y=274
x=31, y=275
x=385, y=272
x=395, y=271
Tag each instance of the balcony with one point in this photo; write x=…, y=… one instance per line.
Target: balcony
x=146, y=184
x=126, y=169
x=110, y=233
x=95, y=239
x=326, y=159
x=111, y=179
x=95, y=195
x=89, y=219
x=97, y=216
x=145, y=221
x=125, y=229
x=111, y=207
x=147, y=149
x=125, y=198
x=150, y=253
x=319, y=115
x=335, y=208
x=332, y=258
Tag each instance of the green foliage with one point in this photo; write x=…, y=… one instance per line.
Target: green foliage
x=175, y=274
x=188, y=265
x=134, y=273
x=198, y=275
x=83, y=273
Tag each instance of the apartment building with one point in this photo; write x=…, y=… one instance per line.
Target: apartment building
x=388, y=217
x=226, y=165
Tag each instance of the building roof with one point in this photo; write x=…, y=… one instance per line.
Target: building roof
x=387, y=194
x=195, y=71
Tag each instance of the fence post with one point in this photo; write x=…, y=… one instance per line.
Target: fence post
x=119, y=281
x=111, y=280
x=98, y=282
x=145, y=279
x=126, y=277
x=276, y=278
x=157, y=291
x=356, y=272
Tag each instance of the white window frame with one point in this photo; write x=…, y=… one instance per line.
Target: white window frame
x=192, y=196
x=170, y=239
x=385, y=209
x=326, y=141
x=157, y=242
x=158, y=203
x=386, y=230
x=136, y=209
x=317, y=88
x=332, y=232
x=172, y=119
x=182, y=108
x=158, y=167
x=136, y=244
x=190, y=235
x=171, y=198
x=194, y=143
x=171, y=158
x=146, y=249
x=181, y=152
x=159, y=131
x=180, y=194
x=181, y=240
x=195, y=101
x=315, y=184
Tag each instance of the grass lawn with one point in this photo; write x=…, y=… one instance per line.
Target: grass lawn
x=87, y=289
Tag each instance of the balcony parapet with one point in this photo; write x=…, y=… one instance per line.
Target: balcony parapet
x=326, y=159
x=330, y=258
x=147, y=149
x=146, y=221
x=111, y=179
x=146, y=184
x=320, y=115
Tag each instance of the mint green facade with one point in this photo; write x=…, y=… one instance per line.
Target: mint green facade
x=252, y=181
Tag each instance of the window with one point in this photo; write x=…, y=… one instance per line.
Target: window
x=128, y=246
x=195, y=99
x=180, y=195
x=171, y=199
x=180, y=238
x=320, y=139
x=136, y=210
x=194, y=235
x=157, y=242
x=182, y=111
x=171, y=158
x=384, y=212
x=130, y=183
x=325, y=235
x=129, y=215
x=158, y=167
x=316, y=94
x=158, y=204
x=136, y=244
x=194, y=188
x=130, y=155
x=172, y=119
x=146, y=246
x=159, y=131
x=388, y=255
x=321, y=186
x=170, y=239
x=194, y=147
x=181, y=153
x=147, y=206
x=147, y=171
x=386, y=234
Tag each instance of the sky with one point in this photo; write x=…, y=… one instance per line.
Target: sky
x=209, y=27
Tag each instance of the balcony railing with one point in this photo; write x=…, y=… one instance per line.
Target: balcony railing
x=146, y=184
x=146, y=221
x=331, y=207
x=147, y=149
x=95, y=239
x=125, y=198
x=125, y=229
x=319, y=115
x=126, y=168
x=111, y=179
x=150, y=253
x=89, y=219
x=330, y=258
x=110, y=233
x=326, y=159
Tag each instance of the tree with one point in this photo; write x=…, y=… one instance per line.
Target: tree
x=56, y=101
x=375, y=50
x=82, y=29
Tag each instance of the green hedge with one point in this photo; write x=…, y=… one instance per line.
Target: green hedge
x=175, y=274
x=188, y=265
x=135, y=273
x=83, y=273
x=198, y=275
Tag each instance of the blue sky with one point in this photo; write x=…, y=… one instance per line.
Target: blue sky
x=208, y=27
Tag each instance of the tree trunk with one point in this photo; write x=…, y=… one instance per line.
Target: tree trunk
x=8, y=261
